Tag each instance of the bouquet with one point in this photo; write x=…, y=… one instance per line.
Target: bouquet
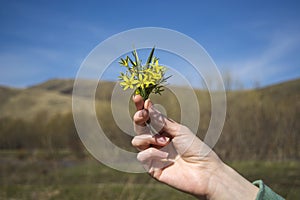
x=143, y=79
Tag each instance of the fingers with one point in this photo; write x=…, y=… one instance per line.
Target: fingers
x=152, y=154
x=142, y=142
x=160, y=122
x=140, y=118
x=154, y=161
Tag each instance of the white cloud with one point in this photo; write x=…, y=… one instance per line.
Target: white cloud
x=268, y=63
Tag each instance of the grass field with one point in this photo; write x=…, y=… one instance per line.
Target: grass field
x=52, y=175
x=40, y=117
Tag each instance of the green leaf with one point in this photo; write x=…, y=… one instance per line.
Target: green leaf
x=155, y=59
x=165, y=79
x=131, y=61
x=122, y=62
x=136, y=57
x=150, y=57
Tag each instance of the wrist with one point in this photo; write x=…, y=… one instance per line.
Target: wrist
x=226, y=183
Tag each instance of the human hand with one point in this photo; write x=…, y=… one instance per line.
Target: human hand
x=177, y=157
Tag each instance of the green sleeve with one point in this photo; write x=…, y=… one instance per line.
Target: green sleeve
x=265, y=193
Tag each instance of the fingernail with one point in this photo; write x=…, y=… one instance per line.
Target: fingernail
x=148, y=103
x=163, y=139
x=141, y=113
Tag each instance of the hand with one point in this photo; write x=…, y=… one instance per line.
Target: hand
x=177, y=157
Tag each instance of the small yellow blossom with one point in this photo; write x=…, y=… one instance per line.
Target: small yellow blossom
x=128, y=82
x=144, y=79
x=124, y=62
x=158, y=68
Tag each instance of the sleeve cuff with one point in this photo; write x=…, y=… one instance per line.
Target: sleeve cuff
x=265, y=193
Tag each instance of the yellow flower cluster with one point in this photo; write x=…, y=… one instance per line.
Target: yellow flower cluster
x=145, y=79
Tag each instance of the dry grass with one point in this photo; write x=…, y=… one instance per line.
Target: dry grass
x=260, y=124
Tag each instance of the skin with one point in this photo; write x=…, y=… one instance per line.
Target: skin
x=175, y=156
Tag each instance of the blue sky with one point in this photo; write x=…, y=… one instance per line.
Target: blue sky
x=255, y=41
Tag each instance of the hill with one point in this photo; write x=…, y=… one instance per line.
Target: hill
x=27, y=103
x=267, y=118
x=55, y=97
x=51, y=98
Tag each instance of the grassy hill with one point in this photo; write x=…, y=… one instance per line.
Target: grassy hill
x=50, y=98
x=54, y=97
x=41, y=156
x=268, y=116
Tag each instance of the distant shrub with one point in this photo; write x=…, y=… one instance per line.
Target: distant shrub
x=260, y=124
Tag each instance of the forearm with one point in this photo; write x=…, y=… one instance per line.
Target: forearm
x=226, y=183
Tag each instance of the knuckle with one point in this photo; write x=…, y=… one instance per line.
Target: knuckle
x=141, y=141
x=141, y=157
x=134, y=142
x=151, y=151
x=181, y=128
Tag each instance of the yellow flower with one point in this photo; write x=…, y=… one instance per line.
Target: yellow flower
x=124, y=62
x=128, y=82
x=143, y=81
x=149, y=82
x=148, y=72
x=153, y=75
x=159, y=68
